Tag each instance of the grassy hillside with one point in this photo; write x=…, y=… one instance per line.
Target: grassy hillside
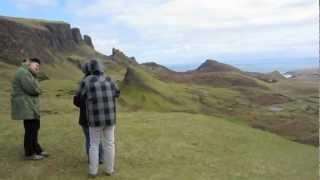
x=160, y=146
x=142, y=91
x=272, y=109
x=160, y=133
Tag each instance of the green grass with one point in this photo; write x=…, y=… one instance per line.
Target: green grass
x=146, y=92
x=296, y=88
x=297, y=121
x=151, y=145
x=33, y=23
x=161, y=146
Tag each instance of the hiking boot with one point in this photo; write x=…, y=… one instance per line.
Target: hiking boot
x=34, y=157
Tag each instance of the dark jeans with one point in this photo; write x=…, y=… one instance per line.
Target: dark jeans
x=31, y=145
x=86, y=135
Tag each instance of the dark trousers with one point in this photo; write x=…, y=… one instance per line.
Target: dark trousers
x=31, y=145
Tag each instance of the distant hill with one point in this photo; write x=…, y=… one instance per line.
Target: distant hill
x=157, y=68
x=305, y=74
x=211, y=72
x=271, y=77
x=215, y=66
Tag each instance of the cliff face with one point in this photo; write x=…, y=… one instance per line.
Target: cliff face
x=23, y=38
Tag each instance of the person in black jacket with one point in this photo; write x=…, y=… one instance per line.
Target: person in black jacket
x=83, y=122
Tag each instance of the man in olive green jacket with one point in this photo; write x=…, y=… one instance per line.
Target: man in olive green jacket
x=25, y=106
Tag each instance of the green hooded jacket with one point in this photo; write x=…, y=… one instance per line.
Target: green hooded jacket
x=25, y=95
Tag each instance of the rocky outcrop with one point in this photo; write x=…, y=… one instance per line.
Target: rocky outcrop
x=117, y=53
x=88, y=41
x=119, y=56
x=58, y=37
x=24, y=38
x=76, y=35
x=130, y=76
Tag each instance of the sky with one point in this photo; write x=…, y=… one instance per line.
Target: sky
x=255, y=35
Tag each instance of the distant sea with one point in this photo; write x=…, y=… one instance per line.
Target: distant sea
x=263, y=66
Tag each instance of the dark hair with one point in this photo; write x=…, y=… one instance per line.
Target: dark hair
x=35, y=60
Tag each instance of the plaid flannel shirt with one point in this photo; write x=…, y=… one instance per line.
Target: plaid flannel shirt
x=100, y=94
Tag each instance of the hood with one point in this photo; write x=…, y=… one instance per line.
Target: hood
x=93, y=67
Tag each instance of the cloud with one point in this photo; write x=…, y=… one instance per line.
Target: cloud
x=198, y=14
x=167, y=30
x=30, y=4
x=106, y=45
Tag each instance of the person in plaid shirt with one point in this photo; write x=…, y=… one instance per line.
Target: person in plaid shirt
x=100, y=93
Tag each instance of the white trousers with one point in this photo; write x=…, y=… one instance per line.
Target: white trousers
x=106, y=136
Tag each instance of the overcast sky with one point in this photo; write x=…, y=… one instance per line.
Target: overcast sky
x=189, y=31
